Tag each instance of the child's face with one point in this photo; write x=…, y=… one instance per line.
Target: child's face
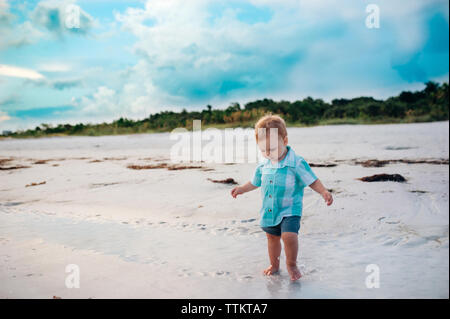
x=272, y=148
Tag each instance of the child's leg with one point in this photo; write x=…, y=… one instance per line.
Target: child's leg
x=290, y=241
x=274, y=248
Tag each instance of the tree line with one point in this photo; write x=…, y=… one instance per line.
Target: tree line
x=429, y=104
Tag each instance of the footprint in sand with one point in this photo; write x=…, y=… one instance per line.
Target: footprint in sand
x=245, y=278
x=185, y=273
x=220, y=273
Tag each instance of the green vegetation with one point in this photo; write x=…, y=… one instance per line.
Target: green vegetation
x=430, y=104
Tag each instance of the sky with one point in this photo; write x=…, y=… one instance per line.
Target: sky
x=93, y=61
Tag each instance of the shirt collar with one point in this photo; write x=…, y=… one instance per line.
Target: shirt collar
x=288, y=160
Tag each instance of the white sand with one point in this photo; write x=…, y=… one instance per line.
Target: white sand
x=158, y=233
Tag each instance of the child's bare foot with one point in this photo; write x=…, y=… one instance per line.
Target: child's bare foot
x=271, y=270
x=294, y=272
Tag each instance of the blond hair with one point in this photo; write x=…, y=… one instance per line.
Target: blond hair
x=269, y=121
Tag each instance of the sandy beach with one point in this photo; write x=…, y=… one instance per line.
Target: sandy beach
x=163, y=233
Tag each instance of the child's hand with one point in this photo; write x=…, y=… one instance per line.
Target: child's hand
x=236, y=191
x=327, y=197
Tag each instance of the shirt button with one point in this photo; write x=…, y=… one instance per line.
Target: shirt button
x=270, y=210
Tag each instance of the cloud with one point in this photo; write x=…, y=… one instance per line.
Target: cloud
x=54, y=67
x=198, y=54
x=62, y=85
x=12, y=99
x=13, y=71
x=57, y=84
x=4, y=116
x=49, y=17
x=62, y=17
x=421, y=65
x=103, y=101
x=206, y=51
x=15, y=35
x=6, y=18
x=135, y=97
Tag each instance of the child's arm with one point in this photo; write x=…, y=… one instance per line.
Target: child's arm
x=319, y=188
x=247, y=187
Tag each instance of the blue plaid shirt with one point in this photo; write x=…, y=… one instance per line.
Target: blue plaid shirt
x=282, y=187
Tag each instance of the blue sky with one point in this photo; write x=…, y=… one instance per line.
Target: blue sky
x=133, y=58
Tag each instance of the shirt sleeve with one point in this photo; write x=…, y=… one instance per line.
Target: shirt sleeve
x=304, y=173
x=256, y=180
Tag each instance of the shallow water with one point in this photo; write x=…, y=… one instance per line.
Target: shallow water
x=332, y=267
x=232, y=264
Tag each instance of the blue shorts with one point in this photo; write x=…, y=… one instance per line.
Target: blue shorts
x=288, y=224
